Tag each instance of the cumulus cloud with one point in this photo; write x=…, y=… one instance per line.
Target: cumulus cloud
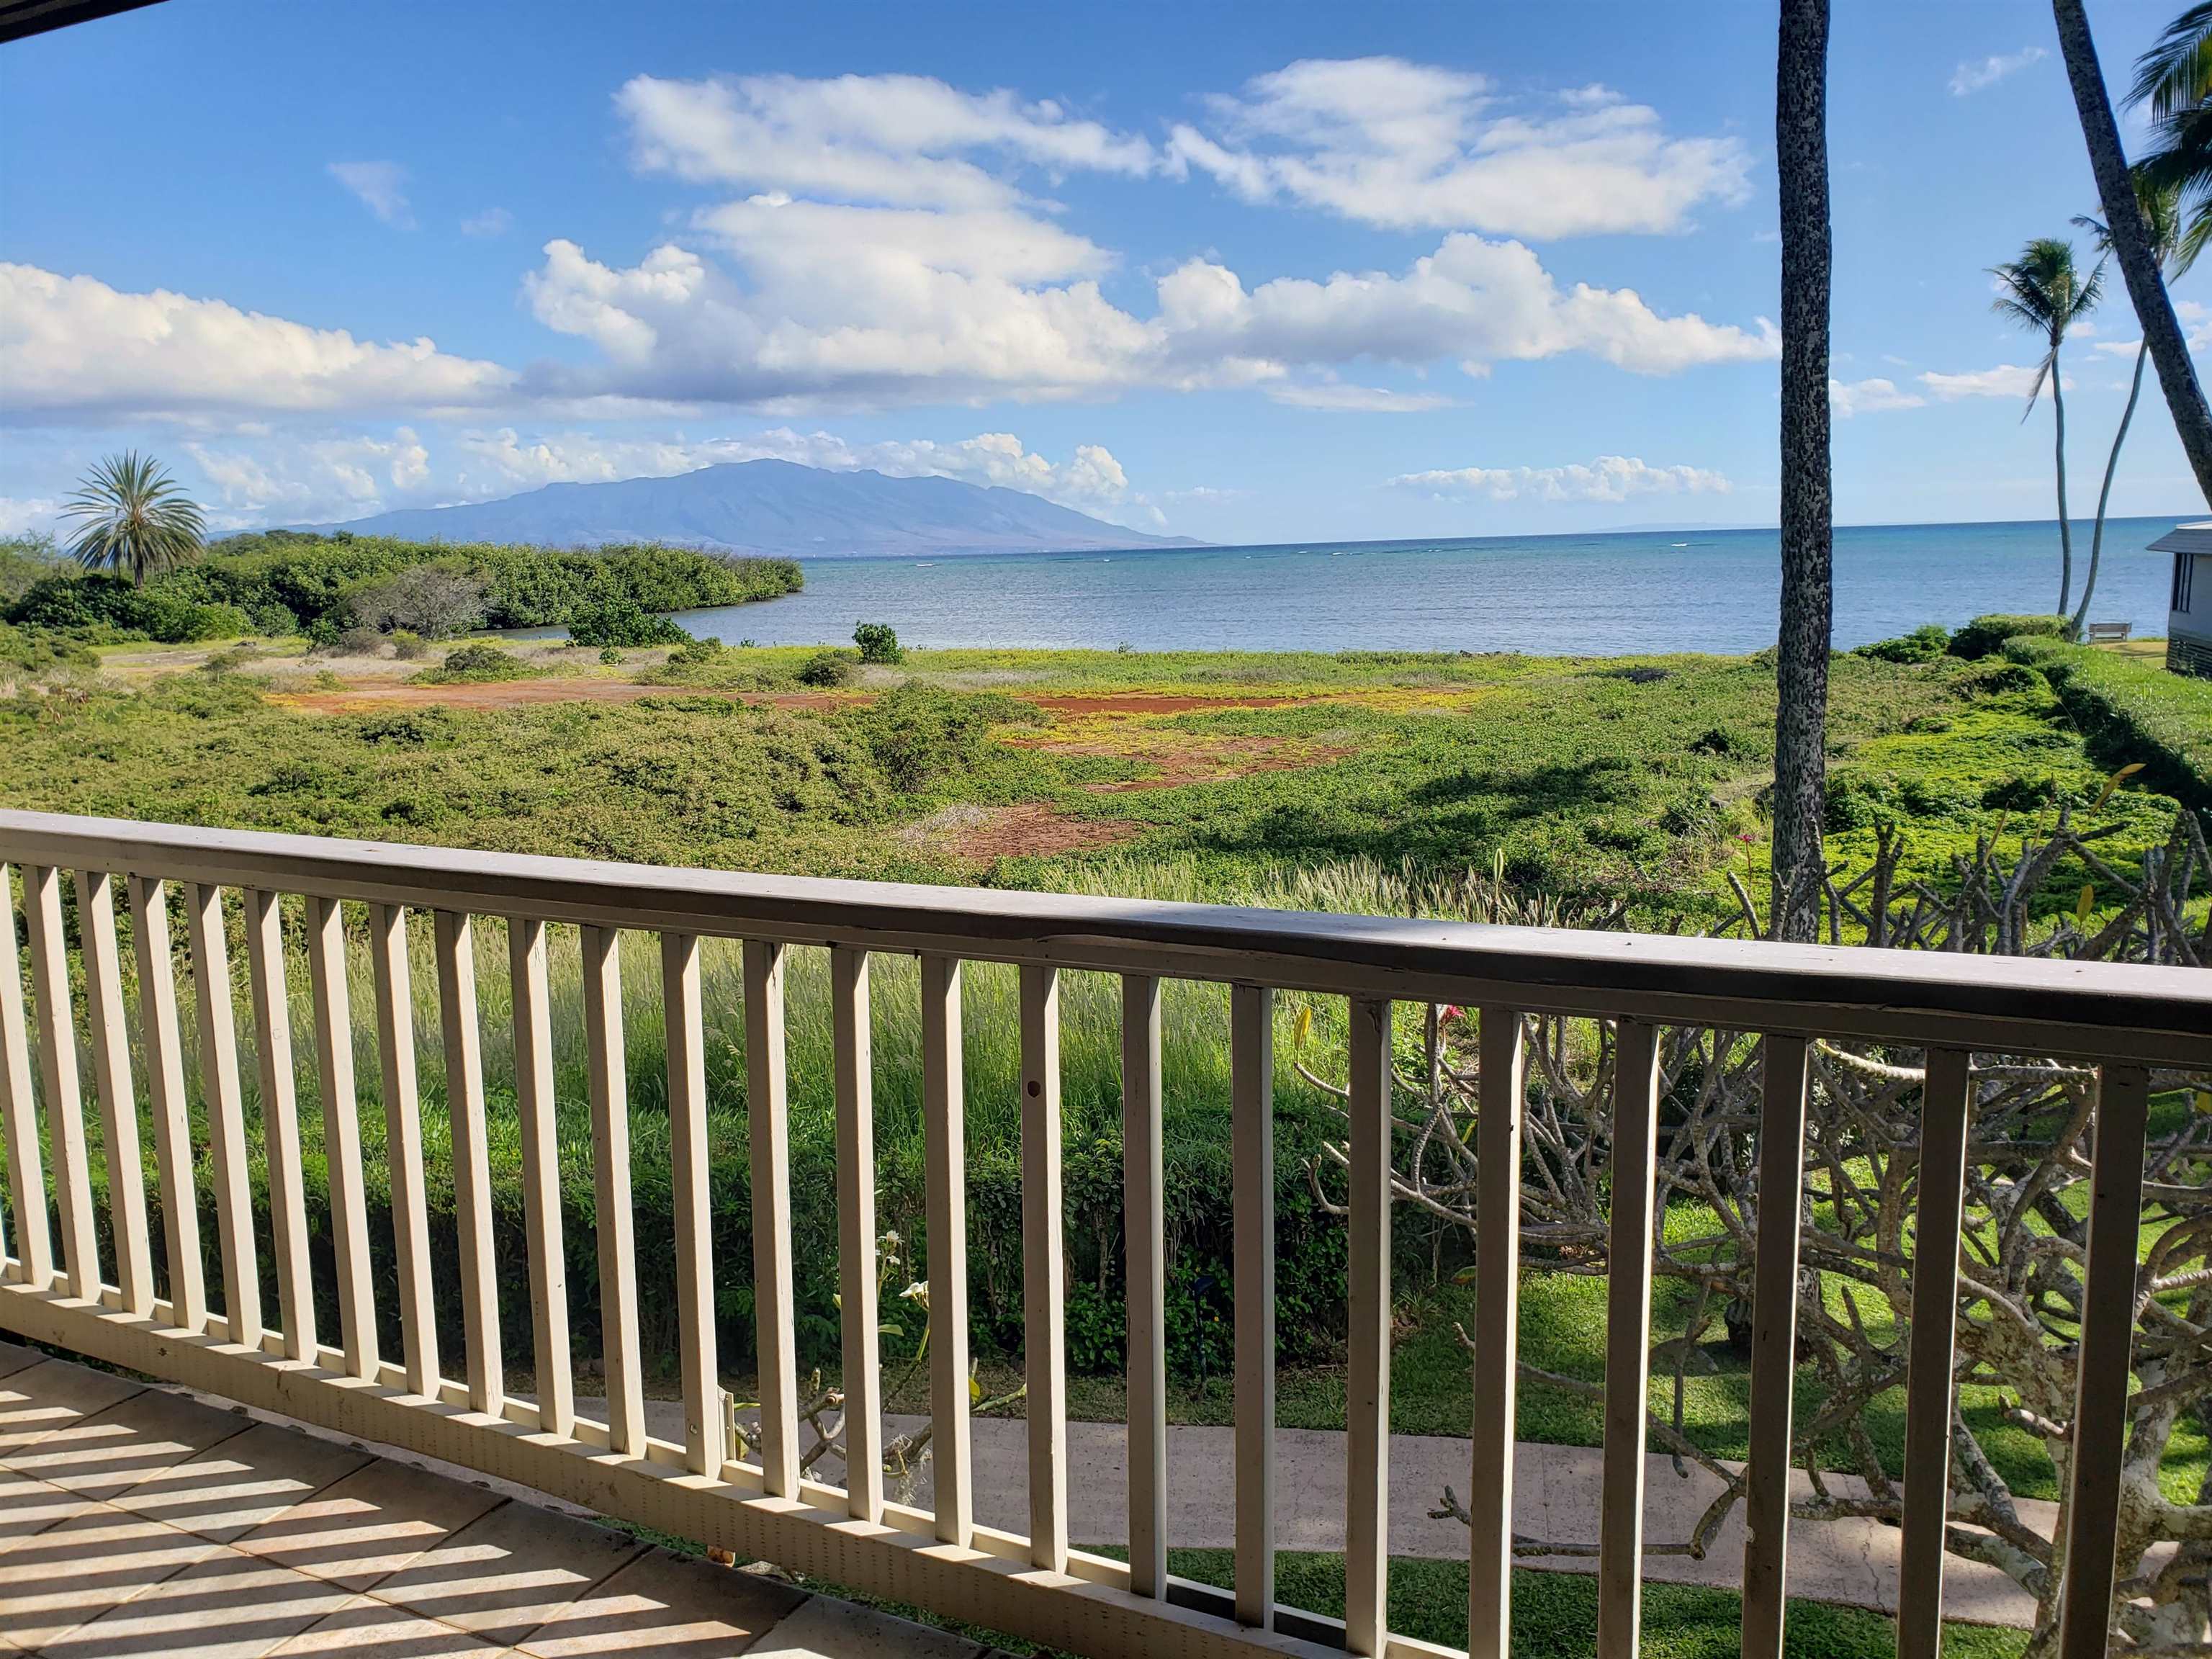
x=2005, y=381
x=1391, y=143
x=898, y=139
x=77, y=348
x=1970, y=78
x=1608, y=478
x=828, y=314
x=382, y=188
x=1868, y=397
x=19, y=514
x=320, y=478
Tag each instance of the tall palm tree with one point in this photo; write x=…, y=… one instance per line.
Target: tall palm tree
x=134, y=518
x=2177, y=248
x=1801, y=721
x=2045, y=293
x=2131, y=244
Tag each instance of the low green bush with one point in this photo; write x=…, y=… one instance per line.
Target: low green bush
x=1923, y=644
x=919, y=733
x=1985, y=635
x=878, y=643
x=476, y=661
x=828, y=668
x=619, y=620
x=75, y=602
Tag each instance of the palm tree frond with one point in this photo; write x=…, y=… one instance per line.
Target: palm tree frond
x=2175, y=73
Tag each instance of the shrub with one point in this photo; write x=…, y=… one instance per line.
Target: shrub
x=878, y=643
x=24, y=560
x=1986, y=635
x=436, y=601
x=828, y=668
x=2131, y=709
x=1923, y=644
x=619, y=620
x=358, y=642
x=474, y=662
x=405, y=644
x=72, y=602
x=920, y=732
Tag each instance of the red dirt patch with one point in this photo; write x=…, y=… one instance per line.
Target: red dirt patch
x=977, y=835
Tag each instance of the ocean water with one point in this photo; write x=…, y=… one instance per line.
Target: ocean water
x=1598, y=594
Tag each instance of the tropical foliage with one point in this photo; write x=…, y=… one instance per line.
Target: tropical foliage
x=132, y=518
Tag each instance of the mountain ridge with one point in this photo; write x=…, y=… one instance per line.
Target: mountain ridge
x=775, y=508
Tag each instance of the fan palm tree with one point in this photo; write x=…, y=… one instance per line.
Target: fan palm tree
x=2177, y=249
x=134, y=518
x=2045, y=292
x=1801, y=657
x=2182, y=69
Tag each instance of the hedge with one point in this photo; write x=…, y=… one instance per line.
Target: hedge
x=1986, y=635
x=2130, y=709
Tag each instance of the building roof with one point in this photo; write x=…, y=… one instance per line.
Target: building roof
x=2186, y=539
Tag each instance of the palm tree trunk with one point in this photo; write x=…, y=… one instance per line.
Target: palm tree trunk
x=2131, y=244
x=2065, y=524
x=2104, y=495
x=1801, y=121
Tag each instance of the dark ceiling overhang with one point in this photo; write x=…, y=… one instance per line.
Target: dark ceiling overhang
x=20, y=18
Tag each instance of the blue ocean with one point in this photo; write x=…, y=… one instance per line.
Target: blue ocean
x=1596, y=594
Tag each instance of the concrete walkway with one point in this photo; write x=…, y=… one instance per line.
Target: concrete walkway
x=1556, y=1496
x=145, y=1522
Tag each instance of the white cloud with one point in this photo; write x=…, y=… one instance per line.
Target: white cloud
x=314, y=480
x=899, y=139
x=2005, y=381
x=1868, y=397
x=1969, y=78
x=1337, y=396
x=859, y=307
x=20, y=514
x=1391, y=143
x=382, y=188
x=1608, y=478
x=75, y=347
x=492, y=222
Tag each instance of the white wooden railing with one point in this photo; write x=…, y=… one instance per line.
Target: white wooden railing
x=2120, y=1018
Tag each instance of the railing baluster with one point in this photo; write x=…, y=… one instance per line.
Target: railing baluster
x=856, y=1218
x=326, y=984
x=1044, y=1271
x=42, y=904
x=1773, y=1346
x=686, y=1045
x=403, y=1129
x=1252, y=1199
x=464, y=1114
x=1144, y=1230
x=943, y=1112
x=119, y=1098
x=609, y=1090
x=770, y=1123
x=280, y=1119
x=2101, y=1366
x=162, y=1038
x=1944, y=1108
x=1502, y=1102
x=1627, y=1339
x=226, y=1113
x=1367, y=1382
x=541, y=1176
x=27, y=1175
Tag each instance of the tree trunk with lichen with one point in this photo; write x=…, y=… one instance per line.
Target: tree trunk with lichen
x=1800, y=666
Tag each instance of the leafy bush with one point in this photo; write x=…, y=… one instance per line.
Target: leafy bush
x=920, y=732
x=878, y=643
x=1923, y=644
x=72, y=602
x=474, y=662
x=616, y=619
x=34, y=651
x=1985, y=635
x=358, y=642
x=406, y=645
x=828, y=668
x=23, y=560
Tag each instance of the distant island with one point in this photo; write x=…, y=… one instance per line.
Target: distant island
x=776, y=509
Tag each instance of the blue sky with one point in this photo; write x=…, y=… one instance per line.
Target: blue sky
x=1280, y=272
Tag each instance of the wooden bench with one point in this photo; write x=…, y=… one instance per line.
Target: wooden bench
x=2103, y=631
